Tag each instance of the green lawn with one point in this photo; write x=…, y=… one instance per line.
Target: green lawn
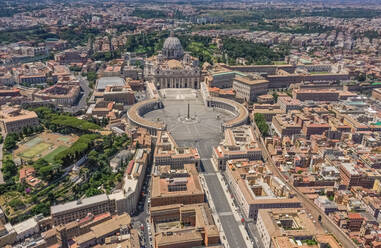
x=279, y=62
x=50, y=156
x=35, y=150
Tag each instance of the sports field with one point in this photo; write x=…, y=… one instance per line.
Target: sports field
x=45, y=145
x=35, y=150
x=50, y=156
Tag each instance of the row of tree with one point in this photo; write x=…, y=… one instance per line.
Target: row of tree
x=81, y=147
x=64, y=123
x=260, y=121
x=253, y=52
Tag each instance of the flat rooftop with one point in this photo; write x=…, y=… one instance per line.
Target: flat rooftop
x=103, y=82
x=78, y=204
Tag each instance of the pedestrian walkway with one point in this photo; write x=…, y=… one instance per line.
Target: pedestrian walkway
x=234, y=210
x=229, y=221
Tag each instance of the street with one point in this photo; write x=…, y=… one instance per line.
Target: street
x=82, y=102
x=142, y=214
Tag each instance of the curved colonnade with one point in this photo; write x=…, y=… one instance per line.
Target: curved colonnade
x=238, y=110
x=136, y=112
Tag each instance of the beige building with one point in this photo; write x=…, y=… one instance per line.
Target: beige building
x=167, y=152
x=70, y=211
x=254, y=188
x=180, y=186
x=120, y=224
x=277, y=226
x=315, y=95
x=286, y=125
x=184, y=226
x=8, y=234
x=119, y=94
x=126, y=199
x=267, y=110
x=172, y=68
x=15, y=119
x=60, y=93
x=248, y=89
x=288, y=104
x=239, y=142
x=376, y=94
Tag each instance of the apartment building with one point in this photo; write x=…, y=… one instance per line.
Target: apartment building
x=376, y=94
x=167, y=152
x=315, y=95
x=351, y=175
x=119, y=94
x=99, y=234
x=15, y=119
x=287, y=228
x=176, y=186
x=311, y=128
x=70, y=211
x=184, y=226
x=248, y=89
x=288, y=104
x=239, y=142
x=61, y=93
x=127, y=198
x=71, y=56
x=267, y=110
x=255, y=189
x=286, y=125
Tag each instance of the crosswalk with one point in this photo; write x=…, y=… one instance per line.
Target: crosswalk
x=225, y=213
x=209, y=174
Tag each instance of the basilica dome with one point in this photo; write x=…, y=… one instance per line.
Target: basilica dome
x=172, y=48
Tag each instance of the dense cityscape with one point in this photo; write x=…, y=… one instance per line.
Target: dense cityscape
x=171, y=124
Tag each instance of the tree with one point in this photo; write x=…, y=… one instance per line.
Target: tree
x=91, y=76
x=93, y=157
x=51, y=197
x=361, y=77
x=253, y=52
x=9, y=170
x=41, y=208
x=10, y=141
x=275, y=95
x=261, y=123
x=16, y=203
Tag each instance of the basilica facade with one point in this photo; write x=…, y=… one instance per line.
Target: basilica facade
x=172, y=67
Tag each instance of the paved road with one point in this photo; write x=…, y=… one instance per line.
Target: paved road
x=250, y=226
x=85, y=92
x=327, y=223
x=229, y=224
x=142, y=215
